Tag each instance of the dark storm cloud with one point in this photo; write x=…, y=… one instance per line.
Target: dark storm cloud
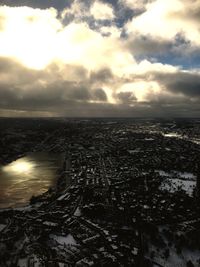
x=22, y=91
x=126, y=97
x=21, y=88
x=58, y=4
x=180, y=47
x=102, y=75
x=148, y=45
x=14, y=97
x=186, y=83
x=191, y=88
x=99, y=95
x=176, y=109
x=12, y=72
x=77, y=92
x=54, y=97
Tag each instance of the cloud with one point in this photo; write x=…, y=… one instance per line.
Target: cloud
x=41, y=38
x=102, y=11
x=43, y=89
x=190, y=12
x=100, y=95
x=136, y=4
x=78, y=11
x=34, y=38
x=147, y=44
x=52, y=92
x=59, y=4
x=83, y=60
x=182, y=82
x=104, y=75
x=165, y=19
x=126, y=97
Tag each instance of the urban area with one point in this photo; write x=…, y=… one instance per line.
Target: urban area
x=127, y=194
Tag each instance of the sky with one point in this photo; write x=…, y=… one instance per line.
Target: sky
x=100, y=58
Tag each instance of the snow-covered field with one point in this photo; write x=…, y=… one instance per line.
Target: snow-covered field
x=178, y=180
x=64, y=240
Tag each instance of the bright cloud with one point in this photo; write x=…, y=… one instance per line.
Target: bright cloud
x=29, y=35
x=102, y=11
x=40, y=39
x=167, y=19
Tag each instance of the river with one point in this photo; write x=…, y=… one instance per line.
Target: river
x=30, y=175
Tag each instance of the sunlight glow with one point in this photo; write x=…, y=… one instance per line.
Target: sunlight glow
x=142, y=90
x=19, y=166
x=33, y=41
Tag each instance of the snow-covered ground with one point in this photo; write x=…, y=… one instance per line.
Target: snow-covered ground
x=31, y=261
x=174, y=259
x=64, y=240
x=176, y=174
x=175, y=180
x=173, y=185
x=64, y=196
x=77, y=212
x=2, y=226
x=178, y=260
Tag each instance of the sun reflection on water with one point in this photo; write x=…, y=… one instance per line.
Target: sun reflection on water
x=30, y=175
x=19, y=166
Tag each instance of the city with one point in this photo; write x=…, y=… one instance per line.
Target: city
x=127, y=194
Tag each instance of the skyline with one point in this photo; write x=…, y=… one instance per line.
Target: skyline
x=124, y=58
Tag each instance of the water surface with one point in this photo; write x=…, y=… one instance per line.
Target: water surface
x=27, y=176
